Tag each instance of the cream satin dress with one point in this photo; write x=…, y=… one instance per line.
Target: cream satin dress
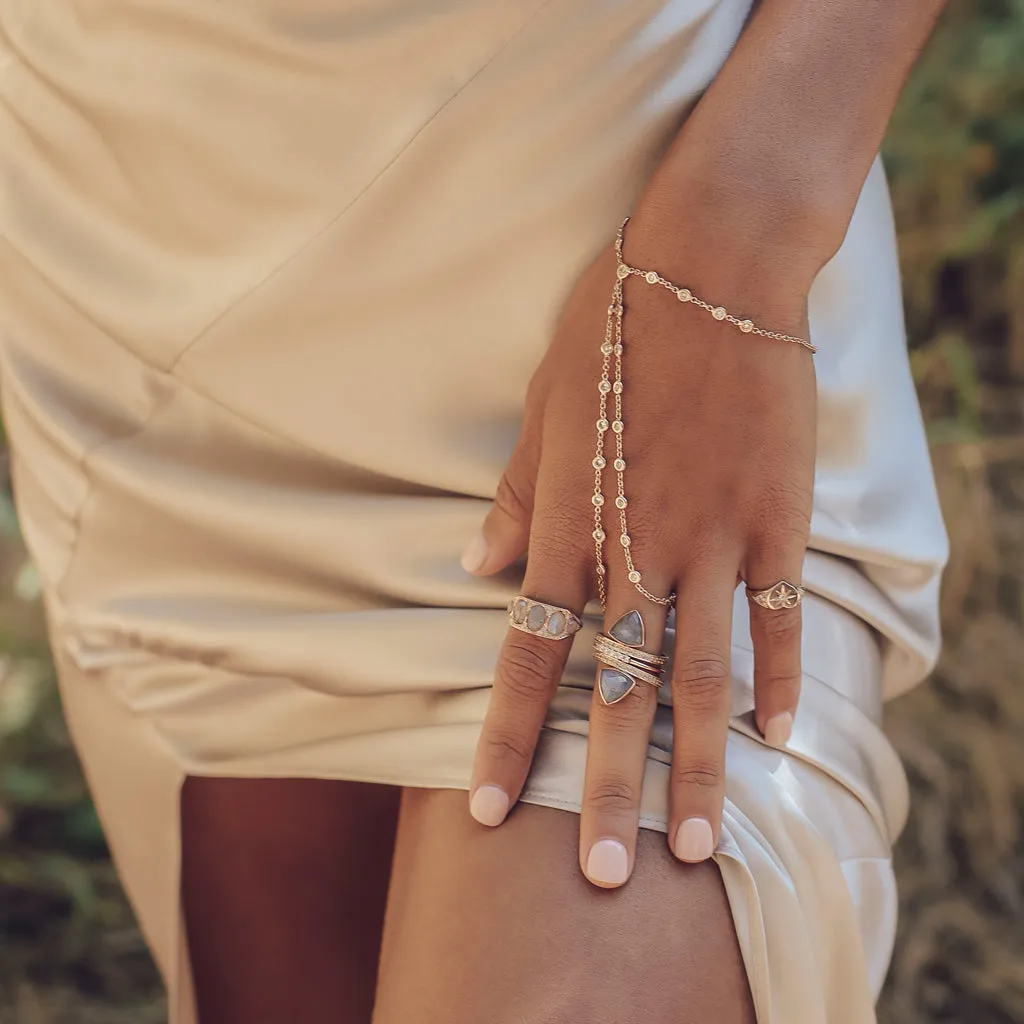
x=274, y=275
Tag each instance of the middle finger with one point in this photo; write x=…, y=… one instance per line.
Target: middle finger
x=617, y=745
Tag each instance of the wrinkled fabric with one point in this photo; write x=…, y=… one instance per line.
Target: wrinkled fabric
x=805, y=848
x=273, y=279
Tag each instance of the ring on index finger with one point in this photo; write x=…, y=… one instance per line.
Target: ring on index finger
x=548, y=621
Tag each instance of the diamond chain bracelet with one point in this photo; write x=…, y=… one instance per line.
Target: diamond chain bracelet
x=611, y=384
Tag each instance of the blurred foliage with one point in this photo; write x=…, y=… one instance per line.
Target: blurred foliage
x=70, y=951
x=955, y=155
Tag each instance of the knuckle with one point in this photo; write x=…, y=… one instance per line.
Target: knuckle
x=781, y=548
x=555, y=536
x=528, y=669
x=793, y=531
x=564, y=471
x=780, y=683
x=612, y=797
x=700, y=774
x=712, y=669
x=514, y=496
x=700, y=683
x=781, y=627
x=787, y=504
x=625, y=717
x=503, y=746
x=787, y=530
x=554, y=541
x=711, y=554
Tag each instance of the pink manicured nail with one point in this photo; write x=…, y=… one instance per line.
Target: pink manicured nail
x=778, y=729
x=694, y=841
x=608, y=862
x=489, y=805
x=475, y=555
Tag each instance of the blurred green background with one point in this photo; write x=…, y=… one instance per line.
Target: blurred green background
x=69, y=950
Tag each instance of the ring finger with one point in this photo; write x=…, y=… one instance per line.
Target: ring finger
x=701, y=699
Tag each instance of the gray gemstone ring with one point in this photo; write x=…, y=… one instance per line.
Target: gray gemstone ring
x=544, y=620
x=623, y=661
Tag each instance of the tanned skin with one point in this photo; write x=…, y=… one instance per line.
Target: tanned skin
x=285, y=883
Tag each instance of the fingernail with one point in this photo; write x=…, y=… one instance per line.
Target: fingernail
x=475, y=555
x=608, y=862
x=778, y=729
x=489, y=805
x=694, y=841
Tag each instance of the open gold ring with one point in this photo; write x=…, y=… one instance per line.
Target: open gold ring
x=623, y=662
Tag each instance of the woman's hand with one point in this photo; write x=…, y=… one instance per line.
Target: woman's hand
x=719, y=444
x=747, y=205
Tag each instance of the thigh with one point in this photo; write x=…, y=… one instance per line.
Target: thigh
x=499, y=925
x=284, y=884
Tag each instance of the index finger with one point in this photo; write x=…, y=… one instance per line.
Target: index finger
x=530, y=667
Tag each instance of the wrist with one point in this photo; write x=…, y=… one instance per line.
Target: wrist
x=755, y=261
x=760, y=218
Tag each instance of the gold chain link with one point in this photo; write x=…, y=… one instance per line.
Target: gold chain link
x=612, y=346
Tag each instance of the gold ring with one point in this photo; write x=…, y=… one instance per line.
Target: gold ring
x=642, y=658
x=631, y=673
x=544, y=620
x=624, y=663
x=782, y=596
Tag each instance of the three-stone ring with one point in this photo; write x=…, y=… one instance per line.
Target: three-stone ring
x=544, y=620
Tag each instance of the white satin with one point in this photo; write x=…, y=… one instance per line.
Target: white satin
x=274, y=276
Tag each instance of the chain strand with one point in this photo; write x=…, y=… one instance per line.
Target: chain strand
x=612, y=348
x=685, y=295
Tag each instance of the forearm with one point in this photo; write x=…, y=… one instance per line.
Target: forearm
x=785, y=136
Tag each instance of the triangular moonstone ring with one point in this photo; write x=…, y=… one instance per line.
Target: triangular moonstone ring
x=614, y=685
x=629, y=630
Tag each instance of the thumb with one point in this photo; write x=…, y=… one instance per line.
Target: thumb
x=505, y=534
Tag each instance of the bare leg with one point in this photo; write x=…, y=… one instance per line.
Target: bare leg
x=500, y=926
x=284, y=883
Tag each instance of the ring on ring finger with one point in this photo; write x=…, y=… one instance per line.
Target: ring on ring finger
x=779, y=597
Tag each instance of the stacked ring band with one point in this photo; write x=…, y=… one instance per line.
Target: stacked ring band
x=782, y=596
x=637, y=671
x=642, y=659
x=544, y=620
x=624, y=663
